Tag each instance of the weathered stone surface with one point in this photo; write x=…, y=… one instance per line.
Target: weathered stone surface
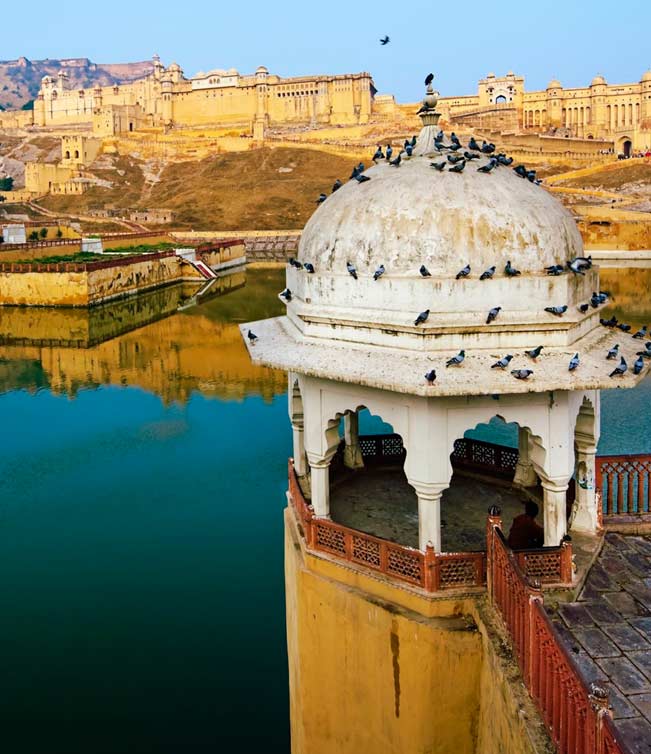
x=625, y=675
x=643, y=661
x=596, y=643
x=575, y=614
x=621, y=704
x=636, y=732
x=643, y=703
x=643, y=625
x=625, y=604
x=602, y=613
x=626, y=637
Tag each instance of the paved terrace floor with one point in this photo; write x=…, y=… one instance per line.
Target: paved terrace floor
x=608, y=631
x=379, y=501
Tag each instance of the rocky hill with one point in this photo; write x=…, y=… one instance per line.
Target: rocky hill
x=20, y=79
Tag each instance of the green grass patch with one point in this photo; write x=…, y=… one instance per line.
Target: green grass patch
x=143, y=248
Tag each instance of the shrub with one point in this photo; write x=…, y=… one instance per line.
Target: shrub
x=43, y=232
x=33, y=236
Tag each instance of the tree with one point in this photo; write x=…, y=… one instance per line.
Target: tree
x=43, y=232
x=33, y=236
x=6, y=183
x=59, y=233
x=28, y=105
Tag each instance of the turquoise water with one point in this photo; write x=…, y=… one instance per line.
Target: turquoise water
x=141, y=493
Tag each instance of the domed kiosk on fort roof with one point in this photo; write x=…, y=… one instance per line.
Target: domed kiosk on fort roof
x=357, y=342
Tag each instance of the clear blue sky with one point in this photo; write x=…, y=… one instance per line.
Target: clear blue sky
x=460, y=42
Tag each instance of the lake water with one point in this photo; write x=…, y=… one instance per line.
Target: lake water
x=142, y=482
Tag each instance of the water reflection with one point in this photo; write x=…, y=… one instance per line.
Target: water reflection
x=170, y=342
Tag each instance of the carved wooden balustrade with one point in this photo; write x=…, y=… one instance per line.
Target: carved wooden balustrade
x=576, y=715
x=625, y=485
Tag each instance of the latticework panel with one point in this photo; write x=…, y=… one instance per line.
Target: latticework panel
x=406, y=565
x=544, y=566
x=392, y=446
x=366, y=551
x=368, y=446
x=458, y=572
x=330, y=538
x=625, y=484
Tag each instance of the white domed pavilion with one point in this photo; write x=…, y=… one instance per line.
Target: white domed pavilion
x=351, y=343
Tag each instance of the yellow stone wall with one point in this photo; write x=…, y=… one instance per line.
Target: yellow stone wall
x=374, y=668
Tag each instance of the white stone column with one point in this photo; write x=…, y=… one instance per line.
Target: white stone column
x=298, y=436
x=525, y=474
x=429, y=514
x=584, y=515
x=352, y=452
x=554, y=507
x=320, y=484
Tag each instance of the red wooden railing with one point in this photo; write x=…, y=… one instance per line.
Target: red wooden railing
x=428, y=570
x=575, y=715
x=625, y=485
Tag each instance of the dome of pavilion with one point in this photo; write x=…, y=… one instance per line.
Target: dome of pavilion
x=598, y=80
x=646, y=76
x=554, y=84
x=412, y=215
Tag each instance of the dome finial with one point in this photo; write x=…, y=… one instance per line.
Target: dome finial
x=429, y=118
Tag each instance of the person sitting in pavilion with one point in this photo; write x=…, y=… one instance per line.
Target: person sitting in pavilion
x=525, y=532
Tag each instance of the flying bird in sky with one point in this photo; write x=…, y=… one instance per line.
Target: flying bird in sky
x=385, y=40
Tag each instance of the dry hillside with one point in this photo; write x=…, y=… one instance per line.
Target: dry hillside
x=265, y=188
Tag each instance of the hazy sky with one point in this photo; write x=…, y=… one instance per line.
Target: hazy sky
x=460, y=42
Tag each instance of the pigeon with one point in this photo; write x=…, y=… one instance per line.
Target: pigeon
x=321, y=199
x=645, y=354
x=439, y=136
x=355, y=172
x=595, y=300
x=409, y=150
x=534, y=353
x=458, y=168
x=584, y=262
x=309, y=267
x=286, y=294
x=490, y=165
x=531, y=176
x=379, y=272
x=471, y=155
x=251, y=336
x=454, y=138
x=362, y=178
x=395, y=162
x=640, y=334
x=503, y=362
x=522, y=374
x=290, y=261
x=336, y=185
x=463, y=273
x=422, y=317
x=440, y=166
x=614, y=352
x=574, y=363
x=504, y=160
x=623, y=327
x=620, y=369
x=557, y=310
x=413, y=141
x=457, y=360
x=389, y=151
x=555, y=269
x=510, y=270
x=472, y=144
x=455, y=146
x=379, y=154
x=429, y=78
x=487, y=274
x=424, y=271
x=487, y=148
x=584, y=308
x=295, y=263
x=454, y=158
x=520, y=170
x=492, y=314
x=351, y=270
x=430, y=376
x=576, y=267
x=638, y=366
x=385, y=40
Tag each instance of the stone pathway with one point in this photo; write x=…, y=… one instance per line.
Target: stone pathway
x=608, y=632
